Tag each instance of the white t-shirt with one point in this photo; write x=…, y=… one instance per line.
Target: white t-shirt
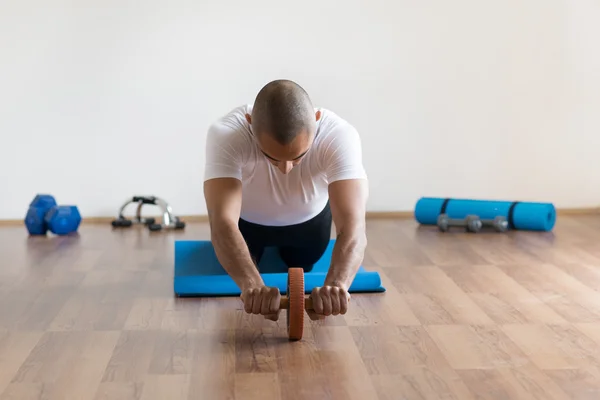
x=269, y=196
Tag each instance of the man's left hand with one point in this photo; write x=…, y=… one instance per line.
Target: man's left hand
x=328, y=300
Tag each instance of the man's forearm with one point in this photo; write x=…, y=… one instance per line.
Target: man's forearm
x=234, y=256
x=348, y=254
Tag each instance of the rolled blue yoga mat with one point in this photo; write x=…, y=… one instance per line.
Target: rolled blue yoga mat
x=199, y=273
x=521, y=215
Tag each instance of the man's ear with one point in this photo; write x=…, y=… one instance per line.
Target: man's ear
x=249, y=118
x=318, y=115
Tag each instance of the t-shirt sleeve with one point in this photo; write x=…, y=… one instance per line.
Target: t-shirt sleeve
x=343, y=155
x=224, y=153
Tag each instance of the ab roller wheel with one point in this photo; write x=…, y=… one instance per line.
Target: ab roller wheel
x=295, y=303
x=472, y=223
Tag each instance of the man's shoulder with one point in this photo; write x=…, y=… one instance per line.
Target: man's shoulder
x=228, y=145
x=234, y=120
x=339, y=148
x=333, y=127
x=231, y=126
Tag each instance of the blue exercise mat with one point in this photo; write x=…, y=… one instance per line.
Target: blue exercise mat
x=521, y=215
x=199, y=273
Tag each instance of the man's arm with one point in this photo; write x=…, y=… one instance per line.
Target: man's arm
x=223, y=200
x=348, y=207
x=223, y=195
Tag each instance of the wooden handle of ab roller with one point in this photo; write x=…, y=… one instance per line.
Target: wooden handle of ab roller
x=284, y=303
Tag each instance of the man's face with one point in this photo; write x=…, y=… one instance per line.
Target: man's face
x=285, y=157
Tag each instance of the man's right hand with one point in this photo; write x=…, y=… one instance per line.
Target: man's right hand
x=262, y=300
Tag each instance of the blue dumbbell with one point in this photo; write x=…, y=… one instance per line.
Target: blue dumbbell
x=45, y=215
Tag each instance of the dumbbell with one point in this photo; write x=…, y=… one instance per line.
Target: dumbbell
x=295, y=303
x=500, y=223
x=471, y=223
x=45, y=215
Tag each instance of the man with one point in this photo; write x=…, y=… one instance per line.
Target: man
x=278, y=172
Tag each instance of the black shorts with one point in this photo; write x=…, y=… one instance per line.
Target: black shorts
x=300, y=245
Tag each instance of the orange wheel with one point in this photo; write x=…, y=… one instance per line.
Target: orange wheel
x=295, y=310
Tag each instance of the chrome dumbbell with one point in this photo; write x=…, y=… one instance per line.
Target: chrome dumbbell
x=471, y=223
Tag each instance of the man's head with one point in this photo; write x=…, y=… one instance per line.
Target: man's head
x=283, y=121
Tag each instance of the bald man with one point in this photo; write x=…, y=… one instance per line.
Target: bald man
x=278, y=172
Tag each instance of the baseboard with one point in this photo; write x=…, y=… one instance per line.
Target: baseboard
x=390, y=214
x=107, y=220
x=370, y=215
x=578, y=211
x=204, y=218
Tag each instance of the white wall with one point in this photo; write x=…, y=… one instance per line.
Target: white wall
x=100, y=99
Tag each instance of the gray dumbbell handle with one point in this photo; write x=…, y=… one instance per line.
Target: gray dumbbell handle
x=456, y=221
x=500, y=224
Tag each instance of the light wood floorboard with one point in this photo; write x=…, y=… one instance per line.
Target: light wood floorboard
x=466, y=317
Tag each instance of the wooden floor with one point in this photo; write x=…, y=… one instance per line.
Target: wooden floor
x=466, y=316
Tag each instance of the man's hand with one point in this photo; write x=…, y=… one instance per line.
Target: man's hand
x=328, y=300
x=262, y=300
